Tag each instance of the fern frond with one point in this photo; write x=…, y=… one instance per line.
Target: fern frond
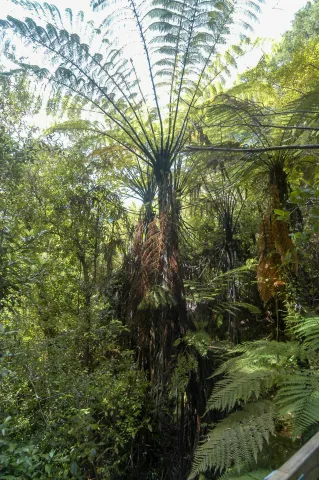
x=236, y=440
x=190, y=34
x=308, y=331
x=262, y=354
x=231, y=308
x=241, y=387
x=156, y=297
x=298, y=400
x=69, y=125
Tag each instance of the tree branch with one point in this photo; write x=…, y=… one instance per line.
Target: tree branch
x=253, y=150
x=280, y=127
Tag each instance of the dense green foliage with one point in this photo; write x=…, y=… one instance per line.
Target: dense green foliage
x=176, y=337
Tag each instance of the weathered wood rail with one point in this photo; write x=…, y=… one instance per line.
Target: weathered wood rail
x=304, y=465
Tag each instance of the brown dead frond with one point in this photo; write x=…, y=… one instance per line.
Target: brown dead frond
x=269, y=260
x=151, y=254
x=138, y=240
x=268, y=278
x=284, y=244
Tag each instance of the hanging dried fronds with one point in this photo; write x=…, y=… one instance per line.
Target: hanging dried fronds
x=269, y=260
x=147, y=257
x=283, y=243
x=138, y=240
x=268, y=279
x=151, y=255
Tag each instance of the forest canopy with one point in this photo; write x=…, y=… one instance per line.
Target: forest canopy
x=159, y=241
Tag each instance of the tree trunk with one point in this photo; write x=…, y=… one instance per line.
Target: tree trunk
x=173, y=320
x=87, y=294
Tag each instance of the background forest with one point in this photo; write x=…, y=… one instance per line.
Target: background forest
x=159, y=245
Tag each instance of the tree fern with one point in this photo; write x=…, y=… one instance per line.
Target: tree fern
x=145, y=101
x=178, y=41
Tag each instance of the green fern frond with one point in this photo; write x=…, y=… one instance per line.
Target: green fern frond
x=200, y=340
x=263, y=369
x=70, y=125
x=298, y=401
x=262, y=354
x=241, y=387
x=180, y=377
x=236, y=440
x=156, y=297
x=201, y=292
x=308, y=331
x=233, y=307
x=190, y=34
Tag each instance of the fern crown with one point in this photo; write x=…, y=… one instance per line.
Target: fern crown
x=178, y=44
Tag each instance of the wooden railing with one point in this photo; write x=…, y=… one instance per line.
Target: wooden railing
x=304, y=465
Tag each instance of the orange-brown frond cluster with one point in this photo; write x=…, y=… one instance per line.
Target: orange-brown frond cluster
x=276, y=251
x=147, y=255
x=269, y=260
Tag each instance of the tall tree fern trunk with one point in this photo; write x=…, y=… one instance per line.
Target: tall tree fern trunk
x=174, y=322
x=86, y=313
x=172, y=274
x=277, y=253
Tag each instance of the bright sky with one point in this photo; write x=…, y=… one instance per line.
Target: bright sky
x=275, y=19
x=277, y=16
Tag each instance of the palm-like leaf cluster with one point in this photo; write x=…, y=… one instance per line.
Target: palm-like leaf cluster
x=177, y=40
